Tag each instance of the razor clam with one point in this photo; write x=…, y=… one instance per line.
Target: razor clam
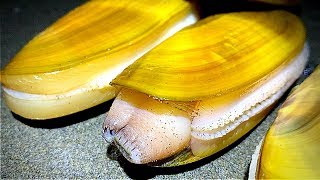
x=205, y=87
x=68, y=66
x=291, y=147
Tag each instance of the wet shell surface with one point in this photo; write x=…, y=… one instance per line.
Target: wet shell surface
x=68, y=66
x=291, y=147
x=205, y=87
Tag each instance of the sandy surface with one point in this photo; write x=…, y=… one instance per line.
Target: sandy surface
x=72, y=147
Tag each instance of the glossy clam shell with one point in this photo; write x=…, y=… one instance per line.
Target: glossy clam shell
x=221, y=54
x=227, y=70
x=89, y=40
x=74, y=60
x=291, y=147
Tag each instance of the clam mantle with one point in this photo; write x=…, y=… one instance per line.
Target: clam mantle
x=206, y=86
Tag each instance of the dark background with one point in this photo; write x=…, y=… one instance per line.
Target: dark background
x=72, y=146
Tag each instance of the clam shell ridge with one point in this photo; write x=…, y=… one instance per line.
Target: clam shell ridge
x=224, y=72
x=292, y=145
x=83, y=51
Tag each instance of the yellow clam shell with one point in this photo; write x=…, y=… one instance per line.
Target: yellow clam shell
x=221, y=54
x=291, y=147
x=224, y=73
x=68, y=66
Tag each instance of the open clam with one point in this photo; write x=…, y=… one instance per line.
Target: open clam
x=291, y=147
x=68, y=67
x=205, y=87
